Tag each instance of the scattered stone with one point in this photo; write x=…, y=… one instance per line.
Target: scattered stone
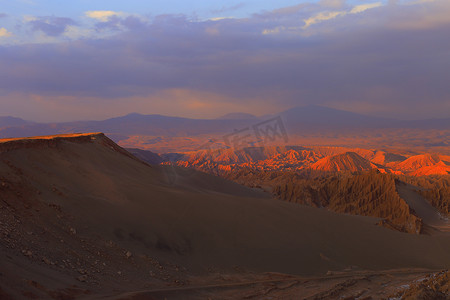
x=27, y=253
x=73, y=230
x=82, y=278
x=128, y=254
x=47, y=261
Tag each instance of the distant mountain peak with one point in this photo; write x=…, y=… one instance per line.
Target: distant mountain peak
x=133, y=114
x=6, y=121
x=319, y=109
x=236, y=116
x=328, y=117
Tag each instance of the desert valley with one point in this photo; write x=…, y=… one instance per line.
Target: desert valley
x=83, y=217
x=225, y=150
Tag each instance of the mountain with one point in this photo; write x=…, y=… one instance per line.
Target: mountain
x=296, y=119
x=130, y=125
x=329, y=117
x=82, y=217
x=443, y=123
x=303, y=159
x=11, y=121
x=349, y=161
x=237, y=116
x=383, y=158
x=326, y=117
x=440, y=168
x=416, y=162
x=315, y=125
x=260, y=158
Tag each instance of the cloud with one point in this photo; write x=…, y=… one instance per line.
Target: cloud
x=363, y=7
x=394, y=58
x=284, y=11
x=228, y=8
x=414, y=16
x=51, y=26
x=332, y=3
x=220, y=18
x=2, y=15
x=329, y=15
x=103, y=15
x=4, y=33
x=275, y=30
x=323, y=16
x=116, y=23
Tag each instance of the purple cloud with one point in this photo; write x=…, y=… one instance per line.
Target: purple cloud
x=51, y=26
x=378, y=60
x=228, y=8
x=118, y=23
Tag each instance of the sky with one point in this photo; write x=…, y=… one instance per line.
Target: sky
x=95, y=59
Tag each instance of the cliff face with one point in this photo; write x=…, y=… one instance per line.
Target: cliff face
x=369, y=194
x=439, y=198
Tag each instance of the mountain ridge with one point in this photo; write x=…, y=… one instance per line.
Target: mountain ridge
x=154, y=124
x=8, y=121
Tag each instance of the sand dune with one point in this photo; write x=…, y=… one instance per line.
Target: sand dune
x=80, y=206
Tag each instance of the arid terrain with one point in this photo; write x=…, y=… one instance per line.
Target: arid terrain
x=83, y=218
x=225, y=150
x=341, y=179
